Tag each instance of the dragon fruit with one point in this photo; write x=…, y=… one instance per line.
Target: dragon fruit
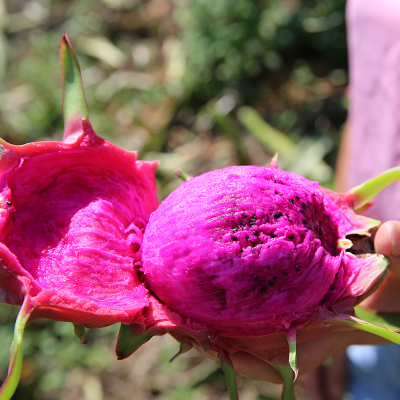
x=72, y=216
x=257, y=259
x=241, y=259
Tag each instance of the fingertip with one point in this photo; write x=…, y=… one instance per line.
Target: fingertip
x=246, y=364
x=253, y=367
x=396, y=239
x=387, y=239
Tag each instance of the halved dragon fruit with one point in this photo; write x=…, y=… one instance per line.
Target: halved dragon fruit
x=256, y=259
x=241, y=259
x=72, y=216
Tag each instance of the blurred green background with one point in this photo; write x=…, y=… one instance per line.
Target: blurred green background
x=196, y=84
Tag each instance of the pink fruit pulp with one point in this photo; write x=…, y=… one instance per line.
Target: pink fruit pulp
x=255, y=251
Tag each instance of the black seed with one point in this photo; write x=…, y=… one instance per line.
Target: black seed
x=297, y=268
x=271, y=283
x=268, y=268
x=235, y=228
x=303, y=205
x=263, y=289
x=252, y=223
x=292, y=201
x=274, y=180
x=256, y=233
x=331, y=287
x=8, y=202
x=302, y=211
x=276, y=192
x=234, y=238
x=275, y=278
x=336, y=274
x=272, y=235
x=304, y=221
x=278, y=215
x=244, y=215
x=288, y=219
x=247, y=237
x=297, y=198
x=291, y=236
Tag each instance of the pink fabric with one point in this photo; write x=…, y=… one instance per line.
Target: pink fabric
x=374, y=52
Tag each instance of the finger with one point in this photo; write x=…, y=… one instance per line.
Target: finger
x=328, y=381
x=314, y=352
x=248, y=365
x=387, y=242
x=253, y=367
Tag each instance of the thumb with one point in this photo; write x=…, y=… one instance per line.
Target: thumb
x=387, y=242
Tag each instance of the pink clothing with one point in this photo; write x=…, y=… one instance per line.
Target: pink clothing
x=374, y=63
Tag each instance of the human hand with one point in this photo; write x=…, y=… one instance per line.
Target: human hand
x=386, y=298
x=314, y=352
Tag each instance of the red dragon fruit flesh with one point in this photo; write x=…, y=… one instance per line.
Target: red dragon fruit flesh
x=72, y=216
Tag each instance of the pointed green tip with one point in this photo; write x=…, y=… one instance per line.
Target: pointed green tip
x=79, y=331
x=130, y=338
x=293, y=354
x=183, y=348
x=74, y=101
x=368, y=190
x=182, y=175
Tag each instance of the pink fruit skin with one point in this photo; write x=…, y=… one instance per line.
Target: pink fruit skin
x=72, y=217
x=243, y=256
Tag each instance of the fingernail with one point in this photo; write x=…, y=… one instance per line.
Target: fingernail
x=395, y=239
